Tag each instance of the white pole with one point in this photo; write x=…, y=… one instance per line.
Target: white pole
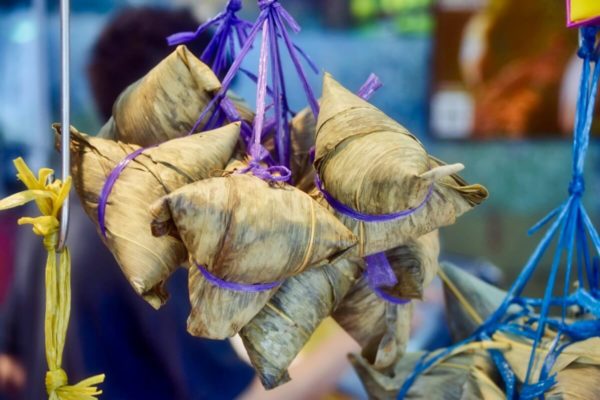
x=66, y=108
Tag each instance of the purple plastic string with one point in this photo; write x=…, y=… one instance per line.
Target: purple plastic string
x=282, y=110
x=372, y=85
x=222, y=45
x=380, y=275
x=271, y=21
x=235, y=66
x=108, y=186
x=237, y=287
x=278, y=16
x=261, y=92
x=218, y=52
x=184, y=37
x=350, y=212
x=257, y=152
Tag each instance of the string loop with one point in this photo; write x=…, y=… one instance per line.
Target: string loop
x=577, y=186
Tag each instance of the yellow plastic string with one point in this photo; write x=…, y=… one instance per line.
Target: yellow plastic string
x=49, y=197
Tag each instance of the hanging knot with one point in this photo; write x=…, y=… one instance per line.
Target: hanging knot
x=259, y=168
x=587, y=44
x=263, y=4
x=577, y=186
x=55, y=379
x=234, y=5
x=51, y=240
x=270, y=174
x=532, y=391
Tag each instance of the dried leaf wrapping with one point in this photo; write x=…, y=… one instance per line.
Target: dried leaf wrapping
x=243, y=230
x=275, y=336
x=479, y=300
x=381, y=328
x=576, y=382
x=586, y=352
x=145, y=260
x=303, y=132
x=166, y=102
x=369, y=162
x=467, y=376
x=415, y=264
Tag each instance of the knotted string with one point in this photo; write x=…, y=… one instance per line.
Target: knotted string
x=49, y=197
x=274, y=22
x=575, y=231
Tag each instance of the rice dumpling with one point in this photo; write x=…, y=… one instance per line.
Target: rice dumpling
x=146, y=261
x=380, y=327
x=275, y=336
x=463, y=376
x=373, y=166
x=241, y=229
x=166, y=102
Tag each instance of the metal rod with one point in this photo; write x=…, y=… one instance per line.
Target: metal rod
x=65, y=47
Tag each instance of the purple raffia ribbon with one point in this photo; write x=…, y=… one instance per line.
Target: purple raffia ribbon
x=222, y=45
x=368, y=88
x=221, y=48
x=380, y=275
x=352, y=213
x=274, y=21
x=237, y=287
x=108, y=186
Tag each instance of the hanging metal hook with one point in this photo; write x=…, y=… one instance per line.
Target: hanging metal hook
x=65, y=50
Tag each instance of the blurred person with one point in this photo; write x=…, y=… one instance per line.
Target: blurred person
x=145, y=354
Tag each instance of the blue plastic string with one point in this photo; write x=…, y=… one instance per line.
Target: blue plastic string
x=573, y=230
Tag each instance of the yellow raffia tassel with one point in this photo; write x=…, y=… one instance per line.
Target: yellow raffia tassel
x=49, y=197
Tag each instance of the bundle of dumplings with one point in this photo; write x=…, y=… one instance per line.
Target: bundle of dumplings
x=468, y=371
x=269, y=260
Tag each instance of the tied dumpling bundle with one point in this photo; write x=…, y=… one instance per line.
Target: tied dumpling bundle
x=460, y=377
x=578, y=363
x=146, y=261
x=371, y=165
x=241, y=230
x=165, y=103
x=277, y=334
x=381, y=327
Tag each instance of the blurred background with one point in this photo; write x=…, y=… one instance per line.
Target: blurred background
x=489, y=83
